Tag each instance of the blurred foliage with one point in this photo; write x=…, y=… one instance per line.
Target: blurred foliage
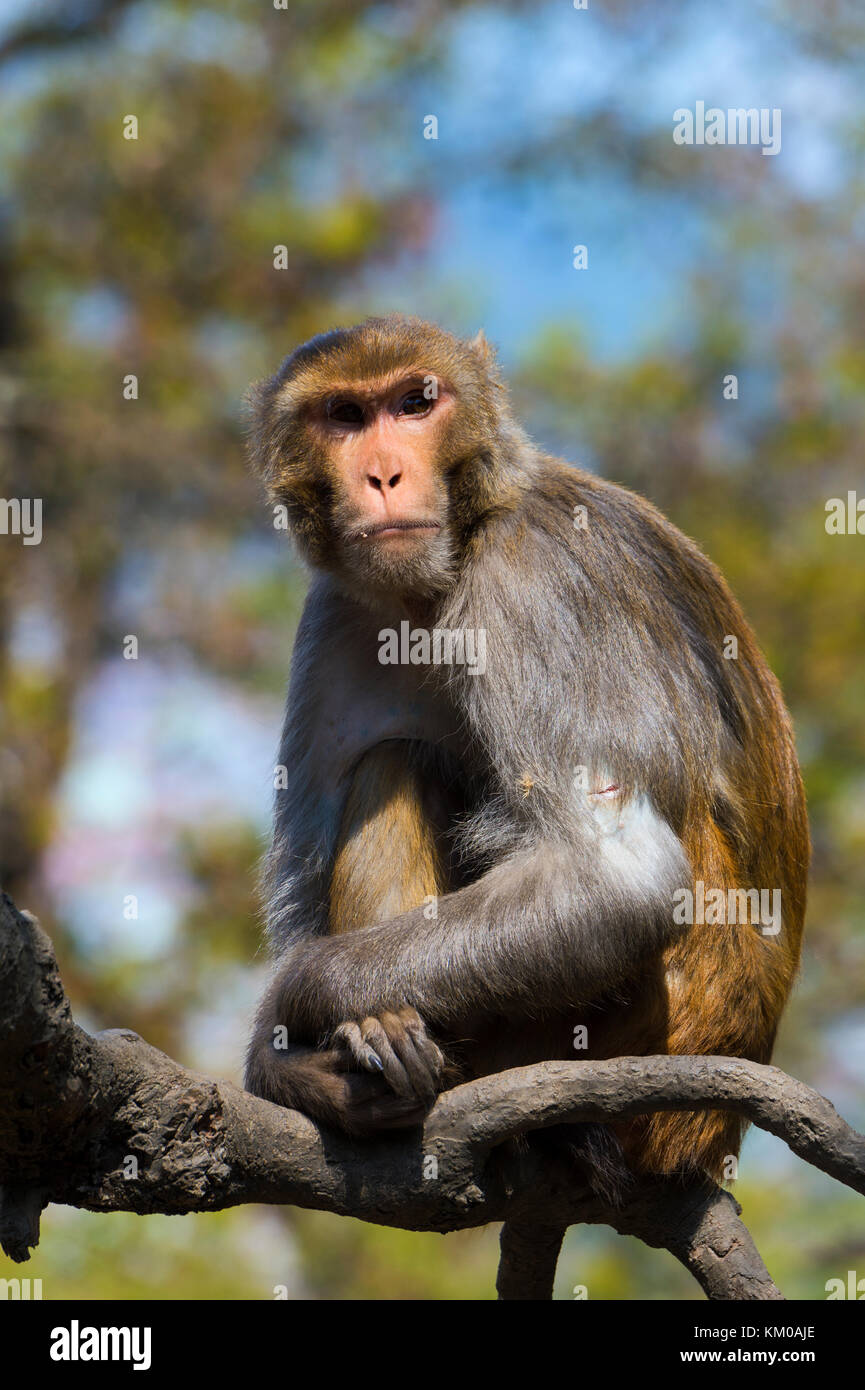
x=155, y=257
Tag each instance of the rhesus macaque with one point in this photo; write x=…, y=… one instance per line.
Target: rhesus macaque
x=470, y=862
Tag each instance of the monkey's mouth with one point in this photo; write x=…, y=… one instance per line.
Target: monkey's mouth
x=392, y=528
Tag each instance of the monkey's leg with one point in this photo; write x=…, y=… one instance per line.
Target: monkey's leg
x=385, y=1071
x=726, y=986
x=391, y=855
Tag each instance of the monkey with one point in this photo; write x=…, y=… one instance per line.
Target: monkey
x=470, y=866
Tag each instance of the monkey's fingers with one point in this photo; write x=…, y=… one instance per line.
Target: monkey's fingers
x=432, y=1056
x=387, y=1038
x=406, y=1044
x=349, y=1037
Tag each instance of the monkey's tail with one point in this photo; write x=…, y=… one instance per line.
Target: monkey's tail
x=596, y=1155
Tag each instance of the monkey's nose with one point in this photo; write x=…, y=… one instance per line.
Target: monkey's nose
x=379, y=483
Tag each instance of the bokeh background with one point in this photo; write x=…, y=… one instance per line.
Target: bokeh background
x=304, y=127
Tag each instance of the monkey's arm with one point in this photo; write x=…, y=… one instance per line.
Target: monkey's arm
x=560, y=924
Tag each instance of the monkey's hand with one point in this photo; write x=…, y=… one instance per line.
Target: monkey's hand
x=397, y=1047
x=326, y=1085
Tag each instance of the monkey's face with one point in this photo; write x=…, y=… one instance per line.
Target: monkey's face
x=386, y=443
x=364, y=473
x=381, y=450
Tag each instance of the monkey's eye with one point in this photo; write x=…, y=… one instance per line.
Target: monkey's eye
x=345, y=412
x=415, y=403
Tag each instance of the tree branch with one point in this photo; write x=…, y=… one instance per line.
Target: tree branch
x=530, y=1253
x=108, y=1123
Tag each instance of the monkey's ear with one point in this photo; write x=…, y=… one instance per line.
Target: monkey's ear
x=254, y=417
x=482, y=347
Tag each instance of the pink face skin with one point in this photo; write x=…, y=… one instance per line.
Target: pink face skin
x=382, y=442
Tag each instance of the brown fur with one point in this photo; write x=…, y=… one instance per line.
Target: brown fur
x=607, y=647
x=390, y=856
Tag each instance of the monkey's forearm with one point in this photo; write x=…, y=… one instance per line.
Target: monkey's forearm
x=531, y=934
